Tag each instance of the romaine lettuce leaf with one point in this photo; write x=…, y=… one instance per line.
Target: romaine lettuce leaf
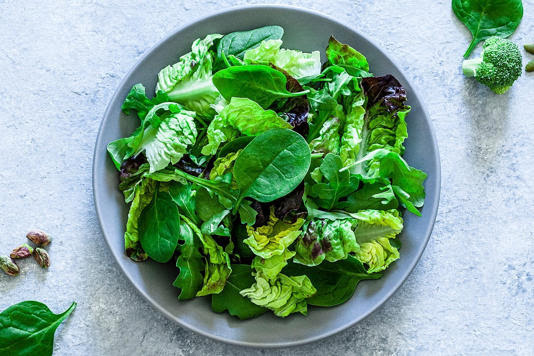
x=240, y=116
x=284, y=295
x=347, y=57
x=188, y=82
x=274, y=237
x=296, y=63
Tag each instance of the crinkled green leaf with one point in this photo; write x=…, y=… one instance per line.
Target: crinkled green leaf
x=284, y=295
x=188, y=82
x=274, y=237
x=347, y=57
x=377, y=254
x=296, y=63
x=240, y=116
x=332, y=240
x=272, y=266
x=142, y=197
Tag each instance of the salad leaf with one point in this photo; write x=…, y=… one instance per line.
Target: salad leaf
x=487, y=18
x=259, y=83
x=296, y=63
x=189, y=262
x=137, y=101
x=271, y=267
x=142, y=198
x=377, y=196
x=284, y=295
x=272, y=165
x=188, y=82
x=347, y=57
x=335, y=282
x=274, y=237
x=332, y=184
x=377, y=254
x=185, y=197
x=28, y=328
x=243, y=116
x=158, y=224
x=169, y=142
x=234, y=145
x=215, y=226
x=224, y=165
x=351, y=137
x=237, y=43
x=331, y=240
x=231, y=300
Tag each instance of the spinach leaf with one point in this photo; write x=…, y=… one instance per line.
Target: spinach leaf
x=237, y=43
x=272, y=165
x=231, y=300
x=335, y=282
x=158, y=225
x=376, y=196
x=215, y=226
x=185, y=197
x=486, y=18
x=190, y=262
x=259, y=83
x=28, y=328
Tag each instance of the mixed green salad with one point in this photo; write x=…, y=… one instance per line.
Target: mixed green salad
x=272, y=180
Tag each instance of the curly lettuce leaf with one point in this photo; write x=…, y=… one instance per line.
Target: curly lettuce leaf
x=272, y=266
x=274, y=237
x=296, y=63
x=377, y=254
x=170, y=141
x=330, y=240
x=240, y=116
x=188, y=82
x=143, y=195
x=224, y=165
x=284, y=295
x=351, y=136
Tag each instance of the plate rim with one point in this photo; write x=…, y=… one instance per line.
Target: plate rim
x=98, y=142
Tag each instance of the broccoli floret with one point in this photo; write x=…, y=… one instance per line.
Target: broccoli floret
x=499, y=65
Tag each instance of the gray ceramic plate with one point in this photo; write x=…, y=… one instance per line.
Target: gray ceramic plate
x=306, y=31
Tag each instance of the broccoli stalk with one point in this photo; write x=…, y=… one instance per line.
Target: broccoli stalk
x=498, y=67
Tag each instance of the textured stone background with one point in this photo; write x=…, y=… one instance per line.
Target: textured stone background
x=473, y=290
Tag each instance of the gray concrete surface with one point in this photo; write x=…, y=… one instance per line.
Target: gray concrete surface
x=471, y=293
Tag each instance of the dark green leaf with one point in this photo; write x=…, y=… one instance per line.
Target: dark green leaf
x=190, y=262
x=214, y=226
x=370, y=196
x=237, y=43
x=235, y=145
x=28, y=328
x=259, y=83
x=272, y=165
x=230, y=300
x=158, y=225
x=335, y=282
x=184, y=196
x=487, y=18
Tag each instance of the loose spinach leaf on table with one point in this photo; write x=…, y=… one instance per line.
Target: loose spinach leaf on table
x=158, y=224
x=237, y=43
x=28, y=328
x=272, y=165
x=231, y=300
x=259, y=83
x=487, y=18
x=335, y=282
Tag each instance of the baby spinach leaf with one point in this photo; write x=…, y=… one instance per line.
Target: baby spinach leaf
x=486, y=18
x=185, y=197
x=335, y=282
x=214, y=226
x=376, y=196
x=158, y=224
x=272, y=165
x=237, y=43
x=231, y=300
x=190, y=262
x=28, y=328
x=259, y=83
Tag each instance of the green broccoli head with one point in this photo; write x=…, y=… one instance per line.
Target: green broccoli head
x=498, y=67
